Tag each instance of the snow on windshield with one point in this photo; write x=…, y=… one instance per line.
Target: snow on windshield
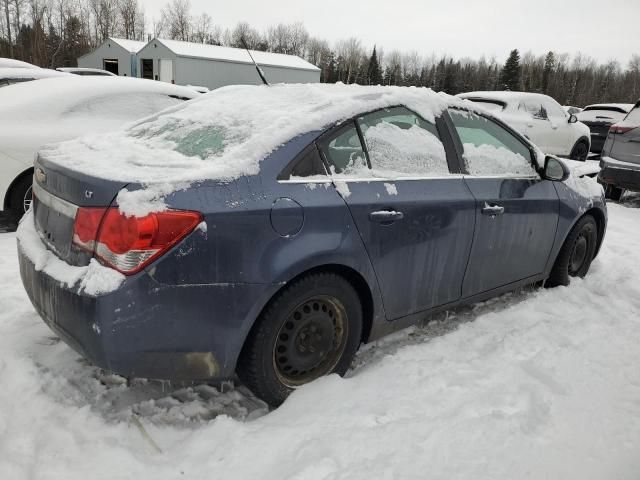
x=224, y=134
x=491, y=160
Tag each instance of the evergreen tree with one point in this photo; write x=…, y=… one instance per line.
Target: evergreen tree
x=549, y=67
x=374, y=72
x=510, y=77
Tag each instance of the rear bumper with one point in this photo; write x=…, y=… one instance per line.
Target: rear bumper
x=620, y=174
x=146, y=329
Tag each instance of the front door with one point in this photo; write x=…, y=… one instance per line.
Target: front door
x=415, y=217
x=147, y=68
x=516, y=211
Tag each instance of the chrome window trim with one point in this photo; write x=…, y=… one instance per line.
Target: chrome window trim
x=56, y=204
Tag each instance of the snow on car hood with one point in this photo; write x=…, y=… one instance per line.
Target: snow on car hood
x=224, y=134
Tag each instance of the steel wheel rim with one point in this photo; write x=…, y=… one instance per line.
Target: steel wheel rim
x=27, y=199
x=311, y=341
x=579, y=252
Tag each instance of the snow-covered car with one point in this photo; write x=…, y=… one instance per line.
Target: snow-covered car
x=269, y=230
x=599, y=118
x=87, y=72
x=620, y=163
x=539, y=118
x=9, y=76
x=33, y=114
x=11, y=63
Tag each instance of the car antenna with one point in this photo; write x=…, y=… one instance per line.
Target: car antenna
x=260, y=72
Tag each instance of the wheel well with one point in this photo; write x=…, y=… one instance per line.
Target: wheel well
x=581, y=140
x=356, y=280
x=7, y=196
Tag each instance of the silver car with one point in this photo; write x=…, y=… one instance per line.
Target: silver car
x=620, y=164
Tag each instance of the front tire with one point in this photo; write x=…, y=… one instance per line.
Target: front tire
x=576, y=254
x=310, y=329
x=580, y=151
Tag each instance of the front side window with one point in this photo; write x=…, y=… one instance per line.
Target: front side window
x=490, y=149
x=553, y=108
x=402, y=144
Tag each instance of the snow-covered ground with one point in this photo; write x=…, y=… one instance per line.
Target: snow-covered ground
x=541, y=384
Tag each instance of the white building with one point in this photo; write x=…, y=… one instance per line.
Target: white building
x=211, y=66
x=115, y=55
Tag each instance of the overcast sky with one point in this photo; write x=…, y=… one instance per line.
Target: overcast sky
x=462, y=28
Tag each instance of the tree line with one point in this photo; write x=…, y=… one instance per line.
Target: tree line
x=54, y=33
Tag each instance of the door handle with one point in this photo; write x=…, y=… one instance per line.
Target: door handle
x=385, y=216
x=492, y=209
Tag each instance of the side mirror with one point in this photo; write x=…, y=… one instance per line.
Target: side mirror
x=573, y=118
x=555, y=169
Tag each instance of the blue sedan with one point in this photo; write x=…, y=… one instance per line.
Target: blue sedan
x=204, y=243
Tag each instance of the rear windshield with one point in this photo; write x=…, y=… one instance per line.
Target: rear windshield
x=605, y=108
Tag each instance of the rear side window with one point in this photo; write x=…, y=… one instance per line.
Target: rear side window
x=402, y=144
x=534, y=108
x=344, y=151
x=489, y=149
x=307, y=164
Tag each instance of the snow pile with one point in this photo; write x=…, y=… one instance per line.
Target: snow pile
x=541, y=384
x=397, y=152
x=224, y=134
x=490, y=160
x=94, y=279
x=11, y=63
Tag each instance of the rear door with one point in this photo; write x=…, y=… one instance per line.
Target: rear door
x=415, y=217
x=516, y=211
x=547, y=133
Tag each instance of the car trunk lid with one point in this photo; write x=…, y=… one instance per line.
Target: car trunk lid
x=58, y=193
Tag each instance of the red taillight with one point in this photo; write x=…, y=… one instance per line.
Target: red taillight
x=128, y=244
x=618, y=129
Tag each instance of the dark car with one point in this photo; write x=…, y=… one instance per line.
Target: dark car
x=599, y=118
x=620, y=163
x=317, y=218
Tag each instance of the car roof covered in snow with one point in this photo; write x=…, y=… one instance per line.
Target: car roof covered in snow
x=224, y=134
x=29, y=73
x=500, y=96
x=624, y=107
x=11, y=63
x=236, y=55
x=85, y=69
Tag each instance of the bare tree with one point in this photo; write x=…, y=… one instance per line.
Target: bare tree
x=131, y=19
x=177, y=18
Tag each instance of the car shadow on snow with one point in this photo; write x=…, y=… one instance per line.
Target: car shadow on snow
x=71, y=380
x=630, y=199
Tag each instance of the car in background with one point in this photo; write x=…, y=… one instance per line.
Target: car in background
x=86, y=71
x=9, y=76
x=539, y=118
x=599, y=118
x=272, y=230
x=620, y=160
x=11, y=63
x=33, y=114
x=571, y=110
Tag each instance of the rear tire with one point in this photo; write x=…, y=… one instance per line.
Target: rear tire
x=613, y=193
x=580, y=151
x=576, y=254
x=310, y=329
x=20, y=197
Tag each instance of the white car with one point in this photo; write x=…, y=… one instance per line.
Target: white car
x=539, y=118
x=33, y=114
